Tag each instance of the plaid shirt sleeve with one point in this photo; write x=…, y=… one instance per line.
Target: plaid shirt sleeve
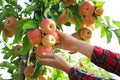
x=76, y=73
x=103, y=58
x=106, y=59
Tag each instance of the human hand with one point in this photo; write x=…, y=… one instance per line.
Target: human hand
x=54, y=61
x=67, y=42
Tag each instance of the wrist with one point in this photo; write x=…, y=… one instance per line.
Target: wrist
x=67, y=68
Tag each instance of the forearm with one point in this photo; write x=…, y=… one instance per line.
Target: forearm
x=83, y=47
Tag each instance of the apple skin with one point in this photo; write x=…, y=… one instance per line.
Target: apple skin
x=82, y=24
x=88, y=20
x=41, y=49
x=48, y=40
x=55, y=34
x=68, y=3
x=48, y=26
x=72, y=19
x=42, y=77
x=16, y=49
x=86, y=33
x=10, y=23
x=62, y=19
x=99, y=11
x=8, y=33
x=35, y=36
x=28, y=71
x=87, y=8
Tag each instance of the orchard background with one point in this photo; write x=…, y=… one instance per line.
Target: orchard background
x=30, y=16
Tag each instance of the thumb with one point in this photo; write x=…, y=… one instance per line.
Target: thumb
x=58, y=45
x=60, y=33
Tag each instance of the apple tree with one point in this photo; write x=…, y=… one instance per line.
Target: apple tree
x=22, y=30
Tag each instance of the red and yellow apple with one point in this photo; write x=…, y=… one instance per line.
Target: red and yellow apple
x=41, y=49
x=82, y=24
x=35, y=36
x=55, y=34
x=99, y=11
x=10, y=24
x=88, y=20
x=29, y=71
x=87, y=8
x=48, y=26
x=68, y=3
x=62, y=19
x=48, y=40
x=86, y=33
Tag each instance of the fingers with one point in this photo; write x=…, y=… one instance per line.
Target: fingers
x=44, y=61
x=60, y=46
x=47, y=55
x=61, y=34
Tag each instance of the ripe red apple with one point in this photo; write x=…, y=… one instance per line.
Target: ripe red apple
x=10, y=23
x=48, y=26
x=29, y=71
x=62, y=19
x=82, y=24
x=87, y=8
x=48, y=40
x=68, y=3
x=55, y=34
x=88, y=20
x=41, y=49
x=99, y=11
x=35, y=36
x=86, y=33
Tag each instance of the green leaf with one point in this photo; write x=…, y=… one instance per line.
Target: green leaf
x=37, y=70
x=31, y=24
x=107, y=18
x=117, y=32
x=32, y=7
x=7, y=55
x=19, y=30
x=1, y=2
x=108, y=35
x=7, y=65
x=99, y=3
x=98, y=22
x=117, y=23
x=47, y=10
x=26, y=46
x=102, y=30
x=45, y=2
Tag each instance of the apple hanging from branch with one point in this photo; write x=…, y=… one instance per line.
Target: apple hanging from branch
x=41, y=49
x=48, y=40
x=10, y=24
x=87, y=8
x=48, y=26
x=35, y=36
